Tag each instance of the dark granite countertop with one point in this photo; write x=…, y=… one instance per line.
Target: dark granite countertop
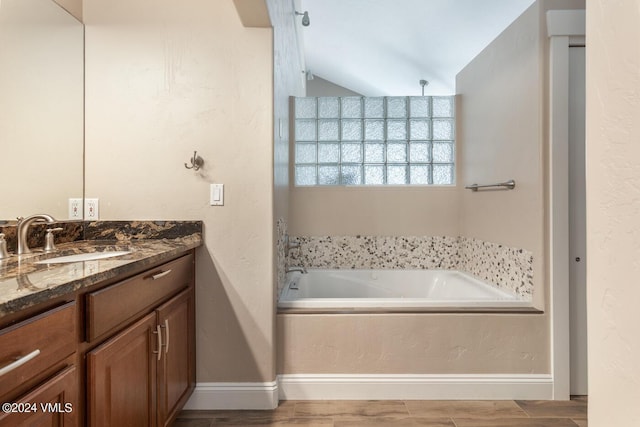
x=25, y=283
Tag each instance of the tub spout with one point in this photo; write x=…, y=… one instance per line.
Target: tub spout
x=300, y=269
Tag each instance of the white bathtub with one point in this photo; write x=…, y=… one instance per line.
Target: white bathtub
x=394, y=290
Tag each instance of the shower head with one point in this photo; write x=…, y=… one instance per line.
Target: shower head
x=305, y=18
x=423, y=83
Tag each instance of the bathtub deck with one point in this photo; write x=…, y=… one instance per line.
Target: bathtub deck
x=410, y=310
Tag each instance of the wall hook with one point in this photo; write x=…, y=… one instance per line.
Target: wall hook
x=196, y=162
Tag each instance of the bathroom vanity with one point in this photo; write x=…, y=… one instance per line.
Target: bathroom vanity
x=100, y=342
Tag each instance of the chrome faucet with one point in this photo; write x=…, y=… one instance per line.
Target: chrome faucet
x=300, y=269
x=23, y=228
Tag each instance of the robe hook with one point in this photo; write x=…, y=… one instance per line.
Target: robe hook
x=196, y=162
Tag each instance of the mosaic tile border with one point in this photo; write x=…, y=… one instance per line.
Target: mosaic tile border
x=504, y=267
x=369, y=252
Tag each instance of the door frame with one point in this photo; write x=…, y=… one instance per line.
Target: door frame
x=565, y=28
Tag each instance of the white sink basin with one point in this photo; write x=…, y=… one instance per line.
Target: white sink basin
x=82, y=257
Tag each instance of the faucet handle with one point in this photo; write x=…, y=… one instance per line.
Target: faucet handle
x=49, y=244
x=293, y=245
x=3, y=247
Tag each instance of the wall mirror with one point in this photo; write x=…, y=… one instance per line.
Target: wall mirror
x=41, y=108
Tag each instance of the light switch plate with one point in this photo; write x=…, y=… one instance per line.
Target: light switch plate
x=217, y=195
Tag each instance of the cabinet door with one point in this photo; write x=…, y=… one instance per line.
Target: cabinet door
x=176, y=369
x=54, y=403
x=121, y=378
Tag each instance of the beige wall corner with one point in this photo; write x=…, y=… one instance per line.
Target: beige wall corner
x=505, y=141
x=613, y=211
x=253, y=13
x=74, y=7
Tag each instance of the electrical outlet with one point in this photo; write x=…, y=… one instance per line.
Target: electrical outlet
x=91, y=209
x=75, y=208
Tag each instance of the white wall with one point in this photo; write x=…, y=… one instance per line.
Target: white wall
x=613, y=212
x=163, y=80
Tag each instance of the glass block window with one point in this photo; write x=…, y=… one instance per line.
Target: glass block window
x=394, y=140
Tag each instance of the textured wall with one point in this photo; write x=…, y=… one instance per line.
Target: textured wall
x=613, y=211
x=500, y=121
x=287, y=81
x=412, y=344
x=163, y=81
x=377, y=211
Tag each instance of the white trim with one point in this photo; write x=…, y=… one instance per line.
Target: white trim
x=415, y=387
x=559, y=208
x=566, y=22
x=562, y=27
x=210, y=396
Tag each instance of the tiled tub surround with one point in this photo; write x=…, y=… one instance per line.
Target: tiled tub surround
x=504, y=267
x=24, y=283
x=507, y=268
x=281, y=252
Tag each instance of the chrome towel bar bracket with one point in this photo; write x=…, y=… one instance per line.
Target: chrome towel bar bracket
x=508, y=185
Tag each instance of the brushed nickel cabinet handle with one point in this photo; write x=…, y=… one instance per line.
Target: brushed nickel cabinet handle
x=18, y=362
x=160, y=275
x=158, y=332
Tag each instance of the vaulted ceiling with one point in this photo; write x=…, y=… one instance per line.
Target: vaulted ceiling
x=385, y=47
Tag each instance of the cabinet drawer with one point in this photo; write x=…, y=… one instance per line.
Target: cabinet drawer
x=29, y=348
x=54, y=403
x=113, y=307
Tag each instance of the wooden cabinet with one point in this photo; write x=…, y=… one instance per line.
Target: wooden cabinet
x=121, y=353
x=143, y=375
x=121, y=378
x=38, y=378
x=111, y=308
x=53, y=403
x=176, y=371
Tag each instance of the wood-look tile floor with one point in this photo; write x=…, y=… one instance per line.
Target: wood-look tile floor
x=430, y=413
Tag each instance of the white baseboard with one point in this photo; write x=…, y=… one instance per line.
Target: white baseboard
x=210, y=396
x=415, y=387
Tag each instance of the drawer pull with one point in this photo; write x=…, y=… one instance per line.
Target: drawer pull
x=19, y=362
x=160, y=275
x=158, y=332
